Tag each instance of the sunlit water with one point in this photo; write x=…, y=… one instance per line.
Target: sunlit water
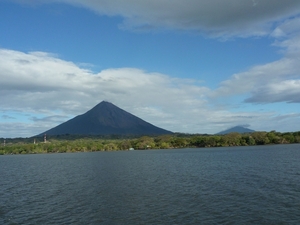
x=240, y=185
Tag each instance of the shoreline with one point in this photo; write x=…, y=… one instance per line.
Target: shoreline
x=149, y=149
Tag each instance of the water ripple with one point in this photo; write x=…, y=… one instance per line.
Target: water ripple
x=254, y=185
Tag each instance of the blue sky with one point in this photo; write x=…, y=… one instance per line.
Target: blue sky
x=193, y=66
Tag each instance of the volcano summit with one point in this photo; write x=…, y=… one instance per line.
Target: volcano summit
x=106, y=119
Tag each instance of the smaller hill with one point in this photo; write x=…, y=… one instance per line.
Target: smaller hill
x=237, y=129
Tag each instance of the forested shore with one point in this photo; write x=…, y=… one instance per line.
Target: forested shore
x=67, y=143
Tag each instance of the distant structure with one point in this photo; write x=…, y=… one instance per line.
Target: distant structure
x=34, y=142
x=4, y=142
x=45, y=138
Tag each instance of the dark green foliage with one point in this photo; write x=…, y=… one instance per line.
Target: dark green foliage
x=76, y=143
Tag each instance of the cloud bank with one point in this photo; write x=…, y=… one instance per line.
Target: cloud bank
x=41, y=84
x=217, y=18
x=47, y=91
x=278, y=81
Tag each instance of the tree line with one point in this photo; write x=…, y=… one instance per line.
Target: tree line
x=69, y=143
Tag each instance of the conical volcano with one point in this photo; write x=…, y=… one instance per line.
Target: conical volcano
x=106, y=119
x=237, y=129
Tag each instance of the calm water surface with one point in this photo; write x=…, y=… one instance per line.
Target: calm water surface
x=240, y=185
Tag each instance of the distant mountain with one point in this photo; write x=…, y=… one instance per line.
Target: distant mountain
x=106, y=119
x=237, y=129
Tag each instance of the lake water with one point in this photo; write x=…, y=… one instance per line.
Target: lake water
x=238, y=185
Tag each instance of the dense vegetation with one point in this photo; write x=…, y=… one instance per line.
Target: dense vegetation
x=67, y=143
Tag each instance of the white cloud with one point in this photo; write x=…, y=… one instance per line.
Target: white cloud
x=284, y=91
x=262, y=82
x=48, y=91
x=278, y=81
x=287, y=36
x=40, y=83
x=287, y=28
x=213, y=17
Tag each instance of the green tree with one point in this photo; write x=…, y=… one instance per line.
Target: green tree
x=179, y=142
x=145, y=142
x=232, y=139
x=260, y=138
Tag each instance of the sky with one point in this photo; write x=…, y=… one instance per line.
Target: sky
x=193, y=66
